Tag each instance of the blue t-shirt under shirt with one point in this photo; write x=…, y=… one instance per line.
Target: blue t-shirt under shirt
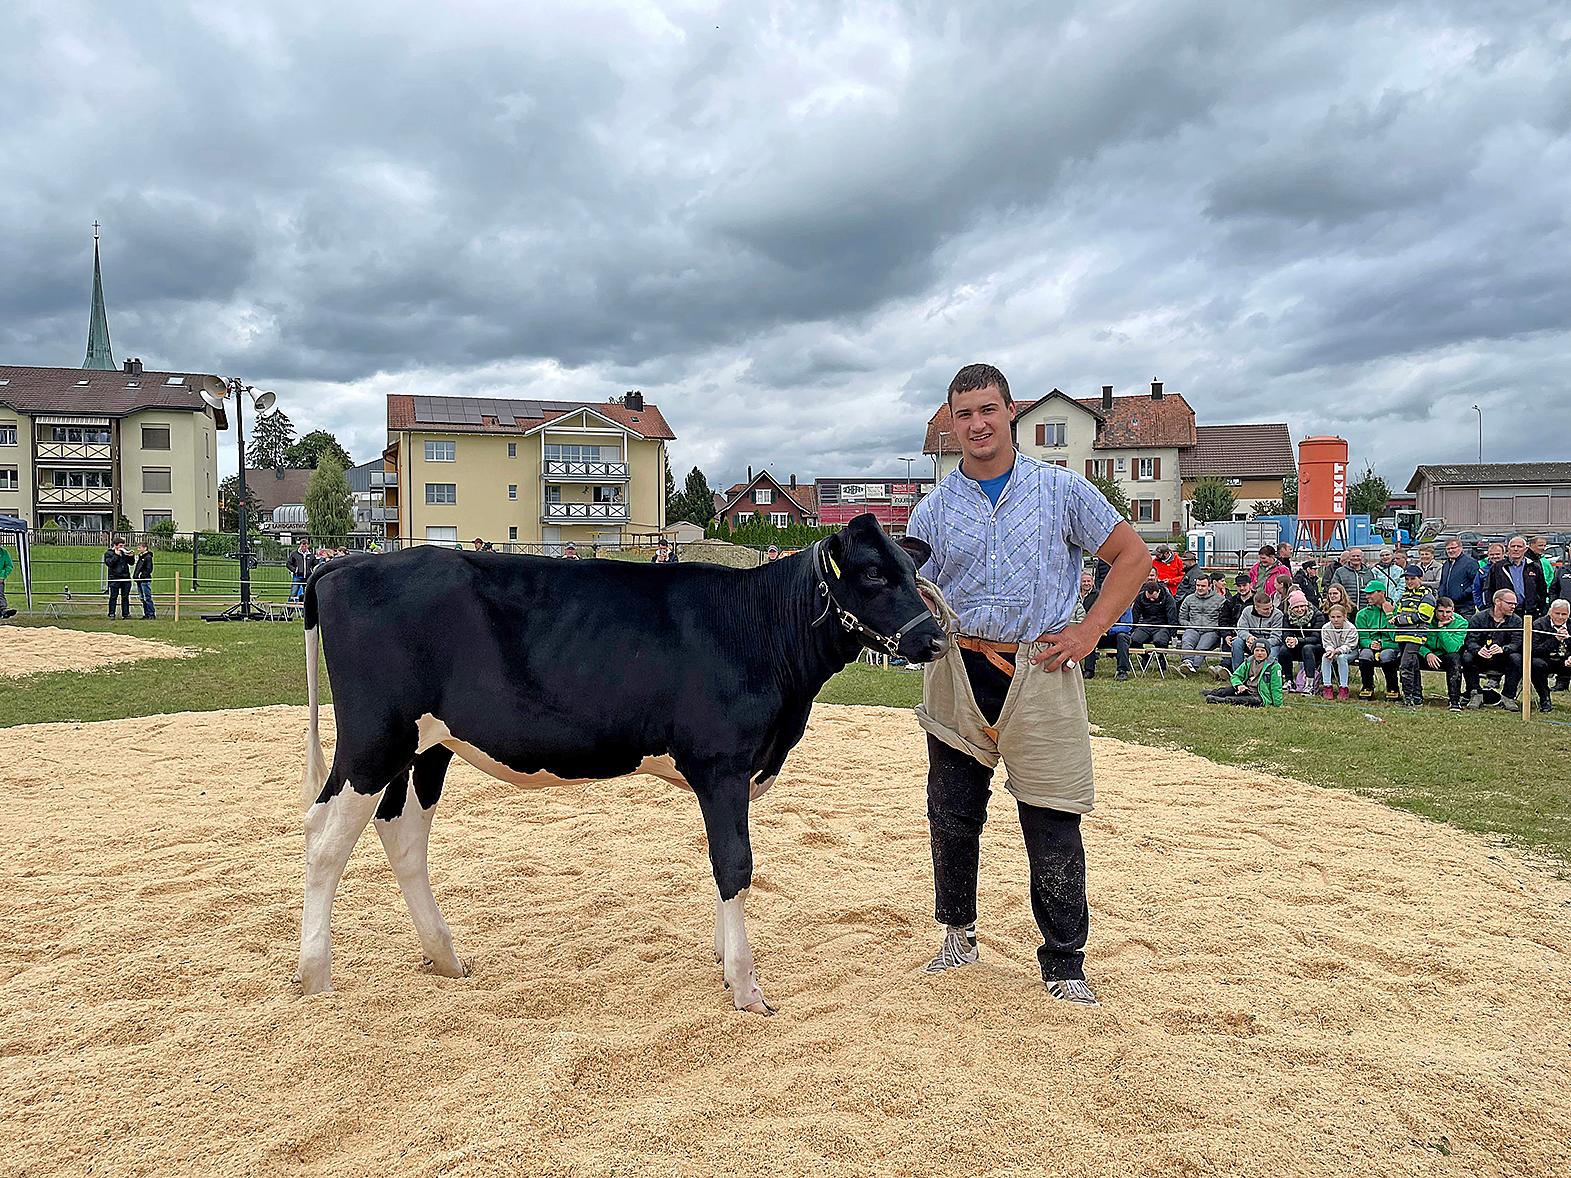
x=994, y=487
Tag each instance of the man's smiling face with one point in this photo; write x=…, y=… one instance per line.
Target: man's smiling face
x=982, y=422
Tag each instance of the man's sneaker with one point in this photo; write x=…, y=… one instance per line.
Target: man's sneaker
x=1544, y=705
x=1218, y=672
x=1070, y=990
x=1185, y=669
x=1474, y=702
x=1121, y=677
x=1366, y=693
x=959, y=948
x=1456, y=705
x=1509, y=704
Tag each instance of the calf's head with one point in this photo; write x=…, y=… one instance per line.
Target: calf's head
x=874, y=578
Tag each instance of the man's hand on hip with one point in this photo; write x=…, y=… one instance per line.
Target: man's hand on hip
x=1072, y=642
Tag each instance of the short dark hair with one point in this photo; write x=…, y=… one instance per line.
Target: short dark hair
x=1445, y=603
x=978, y=376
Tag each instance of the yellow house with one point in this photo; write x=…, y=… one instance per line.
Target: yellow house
x=81, y=447
x=525, y=472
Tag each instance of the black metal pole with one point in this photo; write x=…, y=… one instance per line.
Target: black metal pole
x=245, y=556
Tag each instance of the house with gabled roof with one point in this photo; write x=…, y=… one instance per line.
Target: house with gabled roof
x=1146, y=443
x=763, y=496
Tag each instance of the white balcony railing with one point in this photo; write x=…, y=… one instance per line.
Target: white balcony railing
x=570, y=513
x=75, y=496
x=75, y=452
x=558, y=470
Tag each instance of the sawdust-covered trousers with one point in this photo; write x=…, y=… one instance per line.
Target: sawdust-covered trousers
x=958, y=788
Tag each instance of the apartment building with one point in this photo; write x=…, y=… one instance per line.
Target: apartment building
x=81, y=447
x=525, y=471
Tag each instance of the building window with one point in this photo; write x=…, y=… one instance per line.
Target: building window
x=441, y=451
x=155, y=437
x=91, y=435
x=149, y=518
x=781, y=519
x=7, y=433
x=440, y=534
x=1060, y=462
x=553, y=494
x=608, y=494
x=1147, y=511
x=441, y=493
x=743, y=516
x=1052, y=433
x=157, y=480
x=763, y=495
x=1145, y=469
x=1099, y=468
x=512, y=490
x=575, y=453
x=512, y=533
x=8, y=479
x=512, y=449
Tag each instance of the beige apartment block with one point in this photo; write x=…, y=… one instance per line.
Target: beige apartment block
x=524, y=471
x=81, y=447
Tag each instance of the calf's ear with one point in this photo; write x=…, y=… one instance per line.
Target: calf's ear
x=917, y=550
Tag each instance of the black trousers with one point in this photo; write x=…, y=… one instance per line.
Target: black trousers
x=123, y=589
x=1450, y=663
x=1543, y=668
x=1507, y=663
x=1305, y=654
x=958, y=788
x=1231, y=695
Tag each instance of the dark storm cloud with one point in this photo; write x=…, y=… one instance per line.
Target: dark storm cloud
x=789, y=224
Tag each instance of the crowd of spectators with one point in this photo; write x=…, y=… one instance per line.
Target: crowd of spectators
x=1284, y=626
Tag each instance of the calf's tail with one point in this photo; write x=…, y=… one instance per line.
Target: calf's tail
x=315, y=775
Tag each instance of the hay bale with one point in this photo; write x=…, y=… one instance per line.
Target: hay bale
x=722, y=552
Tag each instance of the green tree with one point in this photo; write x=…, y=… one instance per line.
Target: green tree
x=1369, y=495
x=310, y=450
x=698, y=499
x=271, y=438
x=673, y=502
x=1265, y=507
x=329, y=508
x=1213, y=500
x=1114, y=494
x=229, y=505
x=161, y=535
x=1290, y=495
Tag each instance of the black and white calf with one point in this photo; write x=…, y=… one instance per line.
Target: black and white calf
x=543, y=672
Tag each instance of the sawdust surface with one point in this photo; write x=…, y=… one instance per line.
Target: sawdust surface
x=32, y=650
x=1297, y=981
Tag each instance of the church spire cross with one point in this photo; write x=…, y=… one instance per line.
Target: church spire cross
x=99, y=354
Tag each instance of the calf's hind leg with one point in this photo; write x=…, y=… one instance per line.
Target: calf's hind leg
x=404, y=825
x=332, y=827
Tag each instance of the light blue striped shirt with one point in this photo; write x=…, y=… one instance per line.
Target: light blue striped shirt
x=1012, y=572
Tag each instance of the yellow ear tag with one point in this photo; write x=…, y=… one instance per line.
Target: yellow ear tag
x=829, y=556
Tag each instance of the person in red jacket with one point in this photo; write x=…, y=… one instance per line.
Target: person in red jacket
x=1168, y=568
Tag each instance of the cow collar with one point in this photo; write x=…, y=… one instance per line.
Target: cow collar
x=823, y=566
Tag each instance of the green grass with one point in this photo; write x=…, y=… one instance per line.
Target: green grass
x=1482, y=771
x=55, y=566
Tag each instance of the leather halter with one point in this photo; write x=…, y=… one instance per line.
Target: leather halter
x=889, y=643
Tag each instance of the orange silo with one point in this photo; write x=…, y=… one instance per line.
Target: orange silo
x=1322, y=488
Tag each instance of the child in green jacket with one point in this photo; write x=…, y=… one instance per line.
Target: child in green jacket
x=1256, y=683
x=1443, y=648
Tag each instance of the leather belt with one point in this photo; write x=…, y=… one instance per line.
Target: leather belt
x=994, y=652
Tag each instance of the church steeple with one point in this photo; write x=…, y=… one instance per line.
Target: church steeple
x=98, y=353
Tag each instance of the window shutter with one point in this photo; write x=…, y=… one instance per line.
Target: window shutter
x=1089, y=468
x=1156, y=511
x=1041, y=433
x=1156, y=469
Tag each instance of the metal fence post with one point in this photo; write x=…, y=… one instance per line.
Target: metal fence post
x=177, y=595
x=196, y=543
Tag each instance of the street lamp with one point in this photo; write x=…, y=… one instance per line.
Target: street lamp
x=939, y=457
x=1480, y=413
x=217, y=392
x=908, y=462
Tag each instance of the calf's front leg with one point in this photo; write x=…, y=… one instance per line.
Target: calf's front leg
x=724, y=808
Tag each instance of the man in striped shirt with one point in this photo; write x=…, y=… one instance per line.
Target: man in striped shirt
x=1009, y=536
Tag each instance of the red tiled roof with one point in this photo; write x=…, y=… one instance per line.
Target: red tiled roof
x=649, y=422
x=98, y=392
x=1133, y=422
x=805, y=495
x=1258, y=451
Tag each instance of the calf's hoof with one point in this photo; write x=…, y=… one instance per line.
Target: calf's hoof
x=453, y=968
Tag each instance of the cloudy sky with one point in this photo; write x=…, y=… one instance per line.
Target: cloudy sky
x=790, y=223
